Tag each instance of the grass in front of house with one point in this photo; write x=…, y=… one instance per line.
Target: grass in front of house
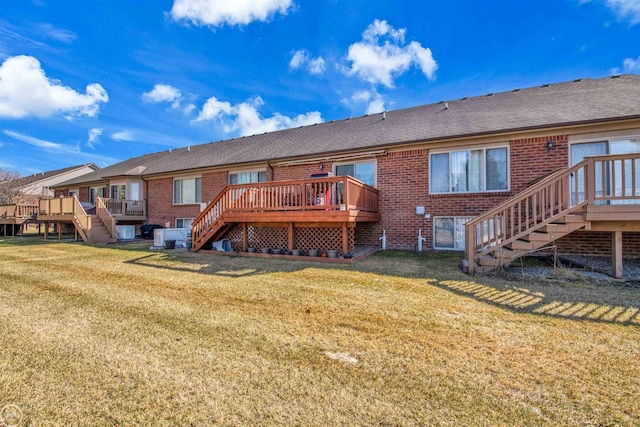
x=100, y=335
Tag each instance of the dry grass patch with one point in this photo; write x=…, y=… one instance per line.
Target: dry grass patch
x=124, y=336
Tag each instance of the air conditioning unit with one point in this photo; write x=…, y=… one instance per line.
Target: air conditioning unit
x=160, y=235
x=125, y=232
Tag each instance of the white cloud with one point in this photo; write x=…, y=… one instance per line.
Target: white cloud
x=236, y=12
x=162, y=93
x=170, y=94
x=124, y=135
x=245, y=119
x=94, y=136
x=631, y=65
x=373, y=100
x=626, y=9
x=63, y=150
x=26, y=91
x=381, y=56
x=59, y=34
x=302, y=59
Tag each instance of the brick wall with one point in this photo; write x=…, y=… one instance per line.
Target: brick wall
x=160, y=200
x=598, y=243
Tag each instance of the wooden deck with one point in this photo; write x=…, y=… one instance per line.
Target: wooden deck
x=338, y=202
x=95, y=228
x=601, y=193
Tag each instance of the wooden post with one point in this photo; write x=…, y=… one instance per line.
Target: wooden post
x=345, y=238
x=616, y=253
x=291, y=236
x=59, y=231
x=245, y=237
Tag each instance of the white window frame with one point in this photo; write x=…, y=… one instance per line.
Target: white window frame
x=104, y=192
x=198, y=197
x=604, y=137
x=455, y=232
x=357, y=162
x=239, y=172
x=183, y=219
x=484, y=148
x=73, y=192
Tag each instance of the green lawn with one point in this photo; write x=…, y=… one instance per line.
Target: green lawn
x=119, y=335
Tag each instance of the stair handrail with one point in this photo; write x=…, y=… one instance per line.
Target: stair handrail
x=105, y=216
x=497, y=230
x=207, y=218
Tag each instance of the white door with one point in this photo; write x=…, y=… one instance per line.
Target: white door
x=578, y=153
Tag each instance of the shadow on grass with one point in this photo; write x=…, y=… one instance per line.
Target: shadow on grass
x=571, y=301
x=558, y=304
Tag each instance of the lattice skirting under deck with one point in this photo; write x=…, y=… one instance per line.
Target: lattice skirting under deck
x=304, y=238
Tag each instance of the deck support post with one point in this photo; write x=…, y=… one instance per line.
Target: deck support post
x=46, y=230
x=291, y=237
x=616, y=253
x=245, y=237
x=60, y=231
x=345, y=238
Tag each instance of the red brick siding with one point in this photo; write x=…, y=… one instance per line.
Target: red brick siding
x=161, y=207
x=598, y=243
x=283, y=173
x=531, y=160
x=83, y=194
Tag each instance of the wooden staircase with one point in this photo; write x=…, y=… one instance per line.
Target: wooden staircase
x=99, y=233
x=531, y=241
x=552, y=208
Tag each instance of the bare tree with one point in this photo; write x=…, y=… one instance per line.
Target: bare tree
x=9, y=186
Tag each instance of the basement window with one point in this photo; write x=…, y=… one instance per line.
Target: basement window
x=448, y=232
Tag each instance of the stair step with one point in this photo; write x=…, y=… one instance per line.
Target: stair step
x=504, y=253
x=540, y=237
x=556, y=228
x=574, y=218
x=520, y=245
x=490, y=261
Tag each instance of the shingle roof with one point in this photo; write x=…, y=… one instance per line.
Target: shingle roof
x=575, y=102
x=30, y=179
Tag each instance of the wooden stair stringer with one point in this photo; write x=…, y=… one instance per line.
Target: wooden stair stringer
x=531, y=240
x=210, y=234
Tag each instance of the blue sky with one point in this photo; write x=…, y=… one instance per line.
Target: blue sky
x=103, y=81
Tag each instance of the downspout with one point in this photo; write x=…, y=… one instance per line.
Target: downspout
x=272, y=170
x=146, y=200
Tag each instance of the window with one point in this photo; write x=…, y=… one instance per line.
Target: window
x=247, y=177
x=612, y=173
x=74, y=192
x=95, y=192
x=187, y=191
x=448, y=232
x=119, y=192
x=184, y=223
x=470, y=171
x=364, y=171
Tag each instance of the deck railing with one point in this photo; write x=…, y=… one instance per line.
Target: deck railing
x=105, y=216
x=332, y=193
x=19, y=211
x=125, y=207
x=609, y=179
x=68, y=206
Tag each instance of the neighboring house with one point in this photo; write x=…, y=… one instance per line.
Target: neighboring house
x=40, y=184
x=30, y=189
x=427, y=171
